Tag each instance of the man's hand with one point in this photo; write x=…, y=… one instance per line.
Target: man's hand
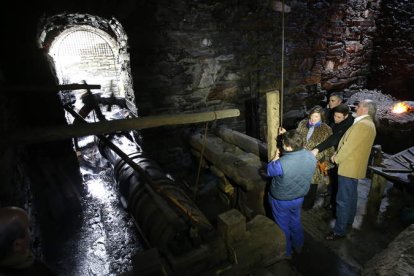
x=281, y=130
x=315, y=151
x=277, y=155
x=333, y=158
x=262, y=172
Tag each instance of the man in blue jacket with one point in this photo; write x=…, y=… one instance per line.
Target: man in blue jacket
x=292, y=174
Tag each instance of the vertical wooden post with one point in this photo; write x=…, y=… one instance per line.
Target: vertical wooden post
x=378, y=184
x=273, y=121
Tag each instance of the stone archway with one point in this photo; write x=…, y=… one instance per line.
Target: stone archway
x=89, y=48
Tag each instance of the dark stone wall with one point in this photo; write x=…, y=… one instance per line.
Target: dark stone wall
x=188, y=56
x=26, y=169
x=208, y=55
x=392, y=67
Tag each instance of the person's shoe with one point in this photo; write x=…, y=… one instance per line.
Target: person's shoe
x=324, y=194
x=332, y=236
x=297, y=250
x=328, y=206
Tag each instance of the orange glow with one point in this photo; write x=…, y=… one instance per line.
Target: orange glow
x=400, y=108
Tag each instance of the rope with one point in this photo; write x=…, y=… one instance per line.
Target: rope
x=283, y=59
x=201, y=161
x=202, y=154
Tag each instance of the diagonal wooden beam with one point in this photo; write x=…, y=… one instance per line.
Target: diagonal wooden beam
x=52, y=133
x=28, y=88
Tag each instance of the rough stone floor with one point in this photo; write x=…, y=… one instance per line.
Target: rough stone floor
x=370, y=234
x=104, y=238
x=106, y=241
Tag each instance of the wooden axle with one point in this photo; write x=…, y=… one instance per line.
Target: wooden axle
x=53, y=133
x=74, y=86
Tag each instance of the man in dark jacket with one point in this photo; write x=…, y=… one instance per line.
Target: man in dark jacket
x=343, y=120
x=292, y=174
x=335, y=99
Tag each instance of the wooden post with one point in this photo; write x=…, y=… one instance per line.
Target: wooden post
x=105, y=127
x=273, y=122
x=378, y=184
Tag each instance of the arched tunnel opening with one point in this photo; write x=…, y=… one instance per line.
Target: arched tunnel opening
x=105, y=238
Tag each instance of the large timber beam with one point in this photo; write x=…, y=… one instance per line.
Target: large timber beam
x=53, y=133
x=27, y=88
x=241, y=140
x=239, y=166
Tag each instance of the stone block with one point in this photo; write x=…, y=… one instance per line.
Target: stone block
x=232, y=225
x=148, y=263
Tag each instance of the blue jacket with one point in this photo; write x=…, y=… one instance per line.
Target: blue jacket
x=292, y=174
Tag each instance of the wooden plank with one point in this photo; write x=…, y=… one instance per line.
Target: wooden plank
x=69, y=131
x=393, y=176
x=29, y=88
x=273, y=122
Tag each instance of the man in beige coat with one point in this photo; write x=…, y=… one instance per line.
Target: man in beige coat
x=352, y=159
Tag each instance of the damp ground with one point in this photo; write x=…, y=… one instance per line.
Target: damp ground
x=104, y=239
x=370, y=234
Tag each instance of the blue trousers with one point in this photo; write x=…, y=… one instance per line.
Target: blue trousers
x=286, y=214
x=346, y=203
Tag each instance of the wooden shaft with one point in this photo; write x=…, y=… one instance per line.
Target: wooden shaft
x=273, y=122
x=56, y=88
x=150, y=185
x=69, y=131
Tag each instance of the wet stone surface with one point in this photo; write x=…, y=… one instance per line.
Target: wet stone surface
x=104, y=239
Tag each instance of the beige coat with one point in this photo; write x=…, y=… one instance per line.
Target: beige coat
x=354, y=149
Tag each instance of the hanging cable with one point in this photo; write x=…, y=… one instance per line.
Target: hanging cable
x=213, y=124
x=283, y=55
x=201, y=162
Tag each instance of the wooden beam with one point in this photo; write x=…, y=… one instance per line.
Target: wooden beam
x=53, y=133
x=378, y=184
x=29, y=88
x=246, y=142
x=273, y=122
x=239, y=166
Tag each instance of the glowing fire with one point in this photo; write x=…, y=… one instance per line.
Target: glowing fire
x=400, y=108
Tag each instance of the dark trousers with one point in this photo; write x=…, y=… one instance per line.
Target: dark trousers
x=309, y=200
x=346, y=203
x=333, y=186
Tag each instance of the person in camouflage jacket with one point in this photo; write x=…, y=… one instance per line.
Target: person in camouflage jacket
x=314, y=131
